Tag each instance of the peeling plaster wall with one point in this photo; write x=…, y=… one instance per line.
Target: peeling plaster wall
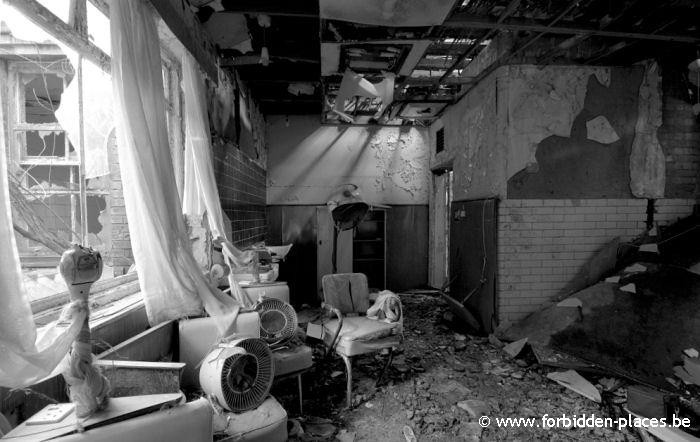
x=472, y=148
x=542, y=103
x=572, y=152
x=307, y=161
x=553, y=151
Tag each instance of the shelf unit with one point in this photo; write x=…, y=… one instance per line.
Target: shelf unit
x=369, y=248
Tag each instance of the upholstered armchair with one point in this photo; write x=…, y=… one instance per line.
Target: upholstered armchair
x=351, y=333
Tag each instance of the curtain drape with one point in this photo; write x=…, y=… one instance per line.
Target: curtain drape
x=171, y=281
x=200, y=190
x=26, y=354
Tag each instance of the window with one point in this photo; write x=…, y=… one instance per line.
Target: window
x=52, y=204
x=45, y=175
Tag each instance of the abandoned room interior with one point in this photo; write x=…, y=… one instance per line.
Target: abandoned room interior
x=350, y=220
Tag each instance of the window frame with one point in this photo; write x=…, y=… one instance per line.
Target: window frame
x=18, y=126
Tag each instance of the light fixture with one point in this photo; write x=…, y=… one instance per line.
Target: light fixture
x=264, y=56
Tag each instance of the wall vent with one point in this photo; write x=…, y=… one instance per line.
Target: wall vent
x=440, y=140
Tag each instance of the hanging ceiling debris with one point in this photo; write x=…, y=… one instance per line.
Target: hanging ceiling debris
x=430, y=48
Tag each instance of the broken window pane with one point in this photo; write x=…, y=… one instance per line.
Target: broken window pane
x=43, y=180
x=45, y=143
x=42, y=96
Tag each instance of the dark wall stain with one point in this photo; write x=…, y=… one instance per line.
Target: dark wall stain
x=577, y=167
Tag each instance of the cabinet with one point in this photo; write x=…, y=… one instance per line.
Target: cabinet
x=369, y=248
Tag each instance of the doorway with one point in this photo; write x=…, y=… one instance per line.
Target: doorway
x=441, y=200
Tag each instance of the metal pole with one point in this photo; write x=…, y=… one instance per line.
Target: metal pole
x=81, y=168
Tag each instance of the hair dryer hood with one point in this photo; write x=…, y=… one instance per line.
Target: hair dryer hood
x=348, y=210
x=349, y=215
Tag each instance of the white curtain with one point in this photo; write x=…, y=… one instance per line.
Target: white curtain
x=200, y=191
x=171, y=281
x=26, y=354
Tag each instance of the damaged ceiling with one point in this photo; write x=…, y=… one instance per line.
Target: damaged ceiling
x=294, y=55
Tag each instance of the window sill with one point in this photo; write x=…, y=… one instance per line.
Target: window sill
x=104, y=295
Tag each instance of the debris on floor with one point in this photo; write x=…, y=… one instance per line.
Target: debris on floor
x=637, y=322
x=576, y=383
x=442, y=381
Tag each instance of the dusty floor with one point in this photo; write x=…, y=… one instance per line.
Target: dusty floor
x=437, y=369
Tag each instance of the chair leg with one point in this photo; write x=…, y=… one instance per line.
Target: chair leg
x=348, y=370
x=301, y=400
x=386, y=366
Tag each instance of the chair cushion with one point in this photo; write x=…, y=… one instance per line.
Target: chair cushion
x=347, y=292
x=290, y=360
x=362, y=335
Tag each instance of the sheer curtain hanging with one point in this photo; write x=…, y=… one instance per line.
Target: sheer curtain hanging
x=200, y=191
x=171, y=281
x=26, y=354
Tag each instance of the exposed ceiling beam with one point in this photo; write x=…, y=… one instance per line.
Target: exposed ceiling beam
x=578, y=39
x=297, y=8
x=511, y=53
x=448, y=48
x=466, y=21
x=622, y=45
x=289, y=100
x=435, y=63
x=512, y=6
x=60, y=30
x=253, y=59
x=427, y=81
x=315, y=81
x=554, y=21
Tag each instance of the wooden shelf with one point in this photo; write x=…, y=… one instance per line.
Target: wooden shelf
x=369, y=248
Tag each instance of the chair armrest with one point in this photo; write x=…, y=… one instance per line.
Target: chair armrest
x=339, y=315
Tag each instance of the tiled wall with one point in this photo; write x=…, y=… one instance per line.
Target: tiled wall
x=542, y=243
x=119, y=255
x=242, y=191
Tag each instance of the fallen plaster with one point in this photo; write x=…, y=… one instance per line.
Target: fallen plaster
x=544, y=102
